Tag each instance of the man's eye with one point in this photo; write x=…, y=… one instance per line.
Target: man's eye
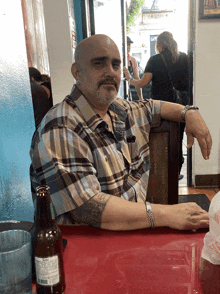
x=116, y=65
x=98, y=63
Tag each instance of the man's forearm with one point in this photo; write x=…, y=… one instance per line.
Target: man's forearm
x=115, y=213
x=109, y=212
x=171, y=111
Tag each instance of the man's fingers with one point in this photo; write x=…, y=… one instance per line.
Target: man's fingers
x=203, y=224
x=199, y=221
x=209, y=144
x=205, y=144
x=190, y=141
x=204, y=148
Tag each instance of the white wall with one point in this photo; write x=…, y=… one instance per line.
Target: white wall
x=59, y=47
x=207, y=89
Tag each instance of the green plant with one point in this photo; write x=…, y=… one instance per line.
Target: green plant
x=133, y=10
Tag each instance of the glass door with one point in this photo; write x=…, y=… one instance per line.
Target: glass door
x=109, y=20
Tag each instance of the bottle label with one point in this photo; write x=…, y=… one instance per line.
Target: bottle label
x=47, y=270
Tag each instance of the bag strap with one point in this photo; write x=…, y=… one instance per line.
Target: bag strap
x=166, y=66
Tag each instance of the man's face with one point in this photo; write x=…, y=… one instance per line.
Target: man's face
x=100, y=73
x=128, y=47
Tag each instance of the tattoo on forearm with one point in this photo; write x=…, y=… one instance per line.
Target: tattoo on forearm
x=90, y=213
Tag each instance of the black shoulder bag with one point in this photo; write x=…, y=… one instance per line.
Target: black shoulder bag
x=180, y=97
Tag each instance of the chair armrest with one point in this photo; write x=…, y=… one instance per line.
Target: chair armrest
x=164, y=163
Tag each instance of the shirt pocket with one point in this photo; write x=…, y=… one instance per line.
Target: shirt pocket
x=139, y=151
x=109, y=165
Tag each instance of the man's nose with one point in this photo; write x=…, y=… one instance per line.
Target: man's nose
x=109, y=70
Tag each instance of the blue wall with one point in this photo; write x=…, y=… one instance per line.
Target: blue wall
x=16, y=113
x=77, y=14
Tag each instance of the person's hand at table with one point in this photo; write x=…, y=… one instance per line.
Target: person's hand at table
x=183, y=216
x=196, y=128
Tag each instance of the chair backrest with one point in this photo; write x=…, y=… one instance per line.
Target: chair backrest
x=164, y=163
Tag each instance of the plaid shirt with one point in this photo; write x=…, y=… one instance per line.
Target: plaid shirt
x=77, y=156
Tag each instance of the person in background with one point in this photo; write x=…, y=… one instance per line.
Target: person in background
x=133, y=69
x=39, y=95
x=92, y=149
x=46, y=82
x=209, y=267
x=156, y=71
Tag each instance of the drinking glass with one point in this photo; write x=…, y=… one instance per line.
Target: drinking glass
x=15, y=262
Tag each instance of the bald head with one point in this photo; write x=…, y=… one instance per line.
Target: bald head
x=92, y=45
x=97, y=70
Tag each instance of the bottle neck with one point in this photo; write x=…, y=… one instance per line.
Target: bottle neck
x=43, y=213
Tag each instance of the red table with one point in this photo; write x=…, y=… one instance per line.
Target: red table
x=143, y=261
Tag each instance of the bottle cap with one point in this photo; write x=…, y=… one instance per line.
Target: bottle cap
x=41, y=190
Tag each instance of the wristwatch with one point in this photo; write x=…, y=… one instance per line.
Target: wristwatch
x=185, y=109
x=150, y=214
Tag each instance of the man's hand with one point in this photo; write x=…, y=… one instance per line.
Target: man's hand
x=183, y=216
x=196, y=128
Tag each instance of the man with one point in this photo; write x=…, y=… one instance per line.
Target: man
x=133, y=69
x=92, y=149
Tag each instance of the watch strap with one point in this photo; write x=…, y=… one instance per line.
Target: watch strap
x=185, y=109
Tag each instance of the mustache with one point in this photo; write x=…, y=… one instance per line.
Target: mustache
x=108, y=80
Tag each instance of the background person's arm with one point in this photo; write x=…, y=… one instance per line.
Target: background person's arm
x=138, y=83
x=136, y=76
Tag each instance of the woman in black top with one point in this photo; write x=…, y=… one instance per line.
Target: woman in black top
x=156, y=72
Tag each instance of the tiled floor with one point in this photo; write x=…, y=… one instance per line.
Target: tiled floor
x=183, y=189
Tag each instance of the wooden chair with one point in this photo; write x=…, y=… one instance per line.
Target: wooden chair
x=164, y=157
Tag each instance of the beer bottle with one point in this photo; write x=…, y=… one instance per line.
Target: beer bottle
x=47, y=246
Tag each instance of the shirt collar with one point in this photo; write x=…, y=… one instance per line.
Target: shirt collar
x=118, y=106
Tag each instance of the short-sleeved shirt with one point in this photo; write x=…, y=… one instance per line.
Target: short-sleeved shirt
x=161, y=88
x=77, y=156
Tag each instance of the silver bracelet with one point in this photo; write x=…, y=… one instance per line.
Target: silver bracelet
x=150, y=214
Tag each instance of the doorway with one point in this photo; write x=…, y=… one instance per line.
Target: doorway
x=154, y=17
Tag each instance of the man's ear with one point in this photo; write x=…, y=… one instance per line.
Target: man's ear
x=76, y=71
